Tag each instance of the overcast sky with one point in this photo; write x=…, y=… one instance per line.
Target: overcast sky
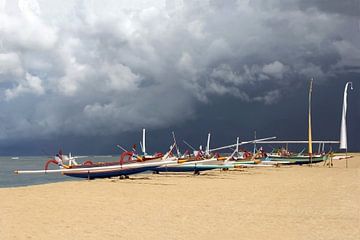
x=90, y=74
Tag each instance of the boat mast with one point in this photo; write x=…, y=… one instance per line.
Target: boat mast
x=310, y=132
x=177, y=147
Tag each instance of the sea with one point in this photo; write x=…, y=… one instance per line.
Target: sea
x=9, y=164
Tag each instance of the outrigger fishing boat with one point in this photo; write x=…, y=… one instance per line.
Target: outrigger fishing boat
x=285, y=157
x=91, y=170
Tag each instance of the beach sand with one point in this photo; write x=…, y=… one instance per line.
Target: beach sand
x=298, y=202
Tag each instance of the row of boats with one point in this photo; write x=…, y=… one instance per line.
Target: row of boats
x=131, y=162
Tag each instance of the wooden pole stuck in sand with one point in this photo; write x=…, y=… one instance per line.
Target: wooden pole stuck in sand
x=346, y=158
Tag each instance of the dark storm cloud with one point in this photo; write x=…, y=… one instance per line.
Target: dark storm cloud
x=105, y=67
x=346, y=7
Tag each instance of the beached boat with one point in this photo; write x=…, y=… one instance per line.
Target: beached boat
x=90, y=170
x=296, y=159
x=285, y=157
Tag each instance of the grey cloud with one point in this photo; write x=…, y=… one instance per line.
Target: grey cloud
x=91, y=68
x=269, y=97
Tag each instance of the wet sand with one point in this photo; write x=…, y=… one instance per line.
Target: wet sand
x=298, y=202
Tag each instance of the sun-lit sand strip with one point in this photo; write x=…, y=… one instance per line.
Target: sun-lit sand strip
x=298, y=202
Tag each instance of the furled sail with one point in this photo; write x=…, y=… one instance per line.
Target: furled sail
x=343, y=135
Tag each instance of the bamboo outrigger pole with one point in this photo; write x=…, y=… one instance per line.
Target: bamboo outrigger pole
x=310, y=132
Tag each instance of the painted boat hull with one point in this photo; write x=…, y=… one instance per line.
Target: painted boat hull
x=91, y=174
x=297, y=160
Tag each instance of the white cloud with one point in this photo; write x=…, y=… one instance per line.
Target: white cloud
x=275, y=69
x=120, y=77
x=196, y=28
x=31, y=84
x=24, y=29
x=10, y=64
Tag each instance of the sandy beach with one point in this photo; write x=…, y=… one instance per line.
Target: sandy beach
x=298, y=202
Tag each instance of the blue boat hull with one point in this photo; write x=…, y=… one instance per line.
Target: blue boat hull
x=108, y=173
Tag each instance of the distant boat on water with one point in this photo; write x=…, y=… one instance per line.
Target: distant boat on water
x=15, y=158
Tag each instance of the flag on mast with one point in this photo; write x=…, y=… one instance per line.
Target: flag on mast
x=343, y=134
x=310, y=132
